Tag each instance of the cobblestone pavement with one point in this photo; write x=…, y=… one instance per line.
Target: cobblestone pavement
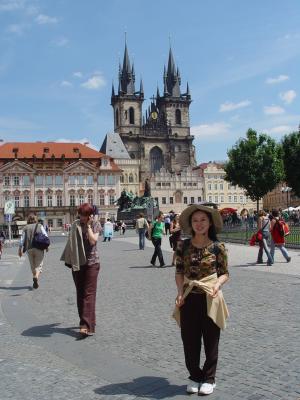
x=137, y=351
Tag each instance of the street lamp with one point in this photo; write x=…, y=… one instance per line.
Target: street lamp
x=286, y=189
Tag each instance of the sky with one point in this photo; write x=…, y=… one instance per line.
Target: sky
x=58, y=60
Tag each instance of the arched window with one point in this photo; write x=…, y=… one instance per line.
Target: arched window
x=117, y=117
x=178, y=116
x=131, y=115
x=130, y=178
x=156, y=159
x=122, y=178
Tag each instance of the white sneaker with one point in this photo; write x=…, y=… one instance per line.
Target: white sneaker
x=192, y=387
x=207, y=388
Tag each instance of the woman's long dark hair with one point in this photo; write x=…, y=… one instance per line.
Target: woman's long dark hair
x=212, y=234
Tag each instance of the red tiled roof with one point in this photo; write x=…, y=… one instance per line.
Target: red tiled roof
x=28, y=149
x=46, y=150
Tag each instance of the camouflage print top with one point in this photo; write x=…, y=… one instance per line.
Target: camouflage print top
x=91, y=251
x=196, y=263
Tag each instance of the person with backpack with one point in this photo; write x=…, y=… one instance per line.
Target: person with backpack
x=35, y=255
x=201, y=270
x=263, y=225
x=277, y=229
x=141, y=226
x=156, y=231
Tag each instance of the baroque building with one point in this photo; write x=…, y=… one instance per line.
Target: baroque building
x=52, y=179
x=161, y=138
x=221, y=192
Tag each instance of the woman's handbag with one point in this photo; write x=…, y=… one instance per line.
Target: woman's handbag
x=40, y=241
x=256, y=238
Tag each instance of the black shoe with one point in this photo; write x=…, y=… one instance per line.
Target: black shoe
x=153, y=264
x=35, y=283
x=288, y=259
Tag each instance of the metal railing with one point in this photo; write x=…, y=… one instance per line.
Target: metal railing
x=243, y=233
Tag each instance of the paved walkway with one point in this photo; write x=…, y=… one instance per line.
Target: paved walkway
x=137, y=351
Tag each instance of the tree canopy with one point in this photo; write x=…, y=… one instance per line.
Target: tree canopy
x=255, y=164
x=291, y=161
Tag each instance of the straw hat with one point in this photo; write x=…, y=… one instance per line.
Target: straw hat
x=184, y=219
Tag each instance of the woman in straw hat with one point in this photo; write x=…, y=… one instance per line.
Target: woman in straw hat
x=201, y=270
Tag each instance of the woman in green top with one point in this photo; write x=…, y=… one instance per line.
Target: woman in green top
x=157, y=233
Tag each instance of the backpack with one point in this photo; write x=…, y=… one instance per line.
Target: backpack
x=280, y=228
x=40, y=241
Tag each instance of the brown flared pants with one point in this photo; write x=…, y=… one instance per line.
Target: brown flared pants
x=86, y=287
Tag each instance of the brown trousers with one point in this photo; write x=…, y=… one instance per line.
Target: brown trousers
x=86, y=287
x=195, y=326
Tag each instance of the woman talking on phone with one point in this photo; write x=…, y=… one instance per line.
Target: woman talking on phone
x=82, y=256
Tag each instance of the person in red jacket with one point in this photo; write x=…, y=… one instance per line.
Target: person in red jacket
x=277, y=236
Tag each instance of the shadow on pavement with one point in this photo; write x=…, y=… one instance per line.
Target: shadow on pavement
x=50, y=329
x=16, y=287
x=150, y=387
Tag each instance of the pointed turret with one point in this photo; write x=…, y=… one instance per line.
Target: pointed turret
x=141, y=88
x=172, y=78
x=188, y=94
x=126, y=75
x=112, y=90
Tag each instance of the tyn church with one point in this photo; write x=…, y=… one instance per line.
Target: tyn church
x=161, y=138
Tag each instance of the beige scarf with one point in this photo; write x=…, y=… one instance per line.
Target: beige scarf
x=216, y=307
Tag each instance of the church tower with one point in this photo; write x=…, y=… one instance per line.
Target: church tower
x=161, y=138
x=127, y=103
x=174, y=105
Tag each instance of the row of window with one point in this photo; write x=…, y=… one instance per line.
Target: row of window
x=57, y=201
x=129, y=178
x=57, y=180
x=186, y=200
x=220, y=186
x=230, y=199
x=168, y=184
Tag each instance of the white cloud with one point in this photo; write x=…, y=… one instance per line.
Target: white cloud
x=94, y=83
x=11, y=5
x=61, y=42
x=209, y=130
x=273, y=110
x=288, y=97
x=228, y=106
x=43, y=19
x=78, y=74
x=279, y=79
x=281, y=129
x=17, y=29
x=66, y=84
x=85, y=141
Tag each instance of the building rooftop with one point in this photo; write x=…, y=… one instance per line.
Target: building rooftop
x=113, y=146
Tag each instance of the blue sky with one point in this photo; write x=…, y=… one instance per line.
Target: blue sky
x=58, y=59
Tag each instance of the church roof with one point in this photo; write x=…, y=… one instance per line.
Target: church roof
x=114, y=147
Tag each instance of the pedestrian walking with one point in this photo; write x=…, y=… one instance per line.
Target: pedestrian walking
x=141, y=227
x=277, y=229
x=167, y=224
x=123, y=227
x=263, y=225
x=175, y=236
x=108, y=230
x=81, y=255
x=26, y=245
x=201, y=270
x=156, y=230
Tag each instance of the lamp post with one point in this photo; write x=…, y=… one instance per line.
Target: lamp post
x=286, y=189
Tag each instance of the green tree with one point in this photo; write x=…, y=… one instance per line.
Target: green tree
x=291, y=160
x=255, y=164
